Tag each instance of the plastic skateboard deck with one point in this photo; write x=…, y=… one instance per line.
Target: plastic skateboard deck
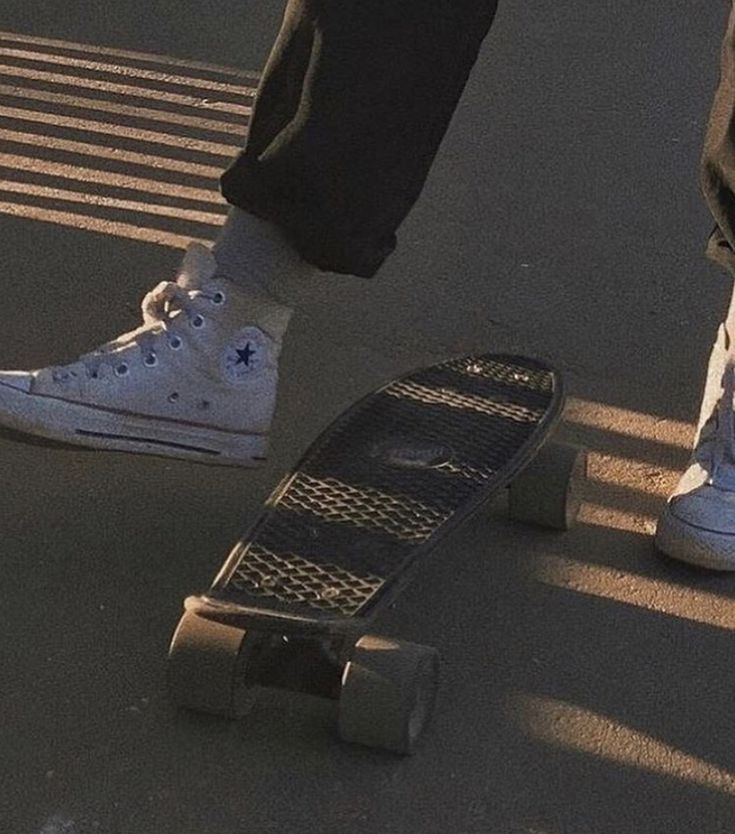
x=380, y=488
x=340, y=535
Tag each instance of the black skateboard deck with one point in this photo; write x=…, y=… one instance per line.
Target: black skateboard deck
x=340, y=535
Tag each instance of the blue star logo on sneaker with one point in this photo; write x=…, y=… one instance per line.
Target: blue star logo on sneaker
x=245, y=356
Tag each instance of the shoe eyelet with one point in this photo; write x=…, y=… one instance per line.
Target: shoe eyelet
x=175, y=343
x=121, y=369
x=173, y=397
x=197, y=321
x=219, y=297
x=151, y=360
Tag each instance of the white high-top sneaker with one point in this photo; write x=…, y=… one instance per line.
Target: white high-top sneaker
x=698, y=524
x=196, y=380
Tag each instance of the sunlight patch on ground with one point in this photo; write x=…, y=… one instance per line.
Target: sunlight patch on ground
x=651, y=594
x=74, y=81
x=635, y=461
x=94, y=224
x=127, y=71
x=603, y=516
x=160, y=163
x=85, y=173
x=92, y=126
x=129, y=55
x=570, y=727
x=629, y=422
x=209, y=218
x=76, y=155
x=148, y=114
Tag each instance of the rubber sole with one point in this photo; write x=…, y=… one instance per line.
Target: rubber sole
x=687, y=543
x=96, y=428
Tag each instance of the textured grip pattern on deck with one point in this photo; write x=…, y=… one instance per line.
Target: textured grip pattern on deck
x=453, y=399
x=332, y=500
x=294, y=579
x=382, y=482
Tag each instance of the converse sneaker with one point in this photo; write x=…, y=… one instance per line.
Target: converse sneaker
x=698, y=524
x=196, y=380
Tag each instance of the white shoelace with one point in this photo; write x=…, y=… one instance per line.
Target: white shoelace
x=163, y=308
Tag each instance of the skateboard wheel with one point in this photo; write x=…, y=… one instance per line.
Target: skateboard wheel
x=388, y=692
x=203, y=665
x=546, y=492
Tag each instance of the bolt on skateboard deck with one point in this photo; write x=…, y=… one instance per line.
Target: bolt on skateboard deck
x=341, y=535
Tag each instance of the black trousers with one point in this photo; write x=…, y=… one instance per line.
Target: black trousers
x=718, y=157
x=354, y=101
x=352, y=106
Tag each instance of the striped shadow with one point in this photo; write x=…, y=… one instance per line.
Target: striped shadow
x=118, y=142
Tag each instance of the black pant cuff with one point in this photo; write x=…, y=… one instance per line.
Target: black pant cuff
x=320, y=238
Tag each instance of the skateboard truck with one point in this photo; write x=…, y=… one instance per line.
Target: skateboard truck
x=385, y=688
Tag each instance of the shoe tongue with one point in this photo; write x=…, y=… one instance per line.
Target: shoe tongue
x=197, y=267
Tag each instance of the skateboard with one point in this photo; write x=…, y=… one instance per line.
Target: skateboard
x=343, y=533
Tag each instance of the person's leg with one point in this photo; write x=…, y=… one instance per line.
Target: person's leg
x=352, y=108
x=353, y=105
x=718, y=156
x=698, y=523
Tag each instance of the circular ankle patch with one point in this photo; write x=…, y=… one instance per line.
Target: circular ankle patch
x=245, y=356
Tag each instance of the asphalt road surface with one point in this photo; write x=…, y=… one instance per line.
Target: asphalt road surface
x=588, y=684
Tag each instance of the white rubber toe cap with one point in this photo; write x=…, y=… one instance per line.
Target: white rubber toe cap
x=699, y=528
x=21, y=380
x=707, y=508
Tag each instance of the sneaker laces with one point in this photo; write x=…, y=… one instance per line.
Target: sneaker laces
x=161, y=308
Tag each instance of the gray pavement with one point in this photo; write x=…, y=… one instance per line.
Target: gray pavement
x=588, y=685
